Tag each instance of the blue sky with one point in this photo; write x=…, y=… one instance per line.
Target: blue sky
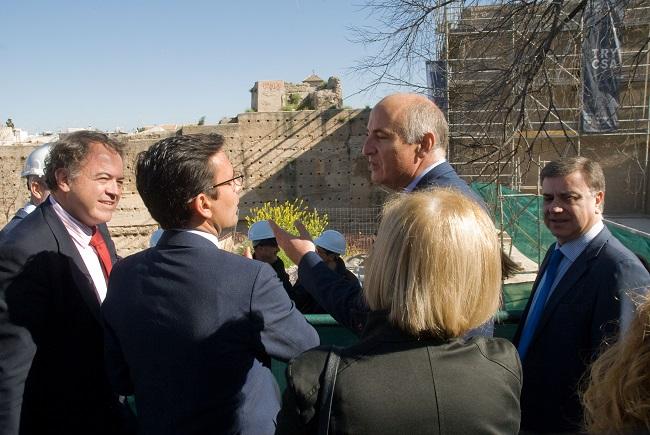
x=126, y=64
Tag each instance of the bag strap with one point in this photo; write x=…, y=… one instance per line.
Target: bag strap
x=327, y=390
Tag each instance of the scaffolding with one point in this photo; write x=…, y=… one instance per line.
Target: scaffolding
x=478, y=44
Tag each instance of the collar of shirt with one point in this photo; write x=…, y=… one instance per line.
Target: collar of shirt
x=79, y=232
x=573, y=248
x=81, y=235
x=29, y=207
x=570, y=251
x=417, y=179
x=211, y=237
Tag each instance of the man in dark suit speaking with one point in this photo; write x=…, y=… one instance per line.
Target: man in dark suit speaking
x=53, y=272
x=584, y=292
x=406, y=147
x=190, y=328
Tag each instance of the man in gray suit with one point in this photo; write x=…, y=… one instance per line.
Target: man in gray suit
x=584, y=292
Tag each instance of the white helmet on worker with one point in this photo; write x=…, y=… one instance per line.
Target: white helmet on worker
x=35, y=163
x=331, y=240
x=260, y=231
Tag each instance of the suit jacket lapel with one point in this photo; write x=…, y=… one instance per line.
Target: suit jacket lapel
x=78, y=268
x=572, y=275
x=103, y=229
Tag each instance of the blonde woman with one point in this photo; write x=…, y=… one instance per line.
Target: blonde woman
x=434, y=274
x=617, y=397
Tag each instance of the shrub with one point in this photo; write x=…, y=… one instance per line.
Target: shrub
x=285, y=214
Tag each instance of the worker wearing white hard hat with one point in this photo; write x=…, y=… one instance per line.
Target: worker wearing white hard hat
x=33, y=172
x=330, y=245
x=265, y=248
x=332, y=241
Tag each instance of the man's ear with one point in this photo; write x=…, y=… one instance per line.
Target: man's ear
x=426, y=145
x=37, y=189
x=600, y=201
x=200, y=205
x=63, y=179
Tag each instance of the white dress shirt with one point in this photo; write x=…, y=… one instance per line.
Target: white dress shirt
x=211, y=237
x=81, y=235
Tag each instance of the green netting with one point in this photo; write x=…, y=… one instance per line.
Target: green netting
x=520, y=216
x=633, y=241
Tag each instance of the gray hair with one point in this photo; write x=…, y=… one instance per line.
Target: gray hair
x=422, y=118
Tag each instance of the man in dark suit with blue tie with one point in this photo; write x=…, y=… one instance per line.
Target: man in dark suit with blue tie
x=191, y=328
x=584, y=293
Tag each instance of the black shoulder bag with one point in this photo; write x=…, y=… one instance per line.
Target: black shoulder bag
x=327, y=390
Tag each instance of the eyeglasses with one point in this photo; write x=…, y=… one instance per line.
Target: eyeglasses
x=237, y=180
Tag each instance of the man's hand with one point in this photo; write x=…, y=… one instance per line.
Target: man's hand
x=294, y=246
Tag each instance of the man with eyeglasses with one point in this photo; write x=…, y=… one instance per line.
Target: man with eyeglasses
x=190, y=328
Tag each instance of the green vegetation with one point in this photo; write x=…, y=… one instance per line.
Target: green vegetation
x=285, y=214
x=293, y=103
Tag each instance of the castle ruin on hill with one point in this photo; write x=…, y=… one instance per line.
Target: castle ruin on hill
x=313, y=93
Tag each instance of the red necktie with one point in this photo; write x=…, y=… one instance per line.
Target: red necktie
x=97, y=242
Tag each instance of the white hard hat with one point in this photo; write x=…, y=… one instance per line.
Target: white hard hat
x=331, y=240
x=260, y=230
x=35, y=163
x=153, y=241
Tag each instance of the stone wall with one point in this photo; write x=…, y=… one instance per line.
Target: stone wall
x=314, y=156
x=311, y=155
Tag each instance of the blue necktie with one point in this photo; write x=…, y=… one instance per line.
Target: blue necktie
x=535, y=313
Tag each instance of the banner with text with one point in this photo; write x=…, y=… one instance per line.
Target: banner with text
x=437, y=83
x=601, y=65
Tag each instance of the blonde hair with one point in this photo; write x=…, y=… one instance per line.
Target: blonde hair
x=617, y=397
x=435, y=265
